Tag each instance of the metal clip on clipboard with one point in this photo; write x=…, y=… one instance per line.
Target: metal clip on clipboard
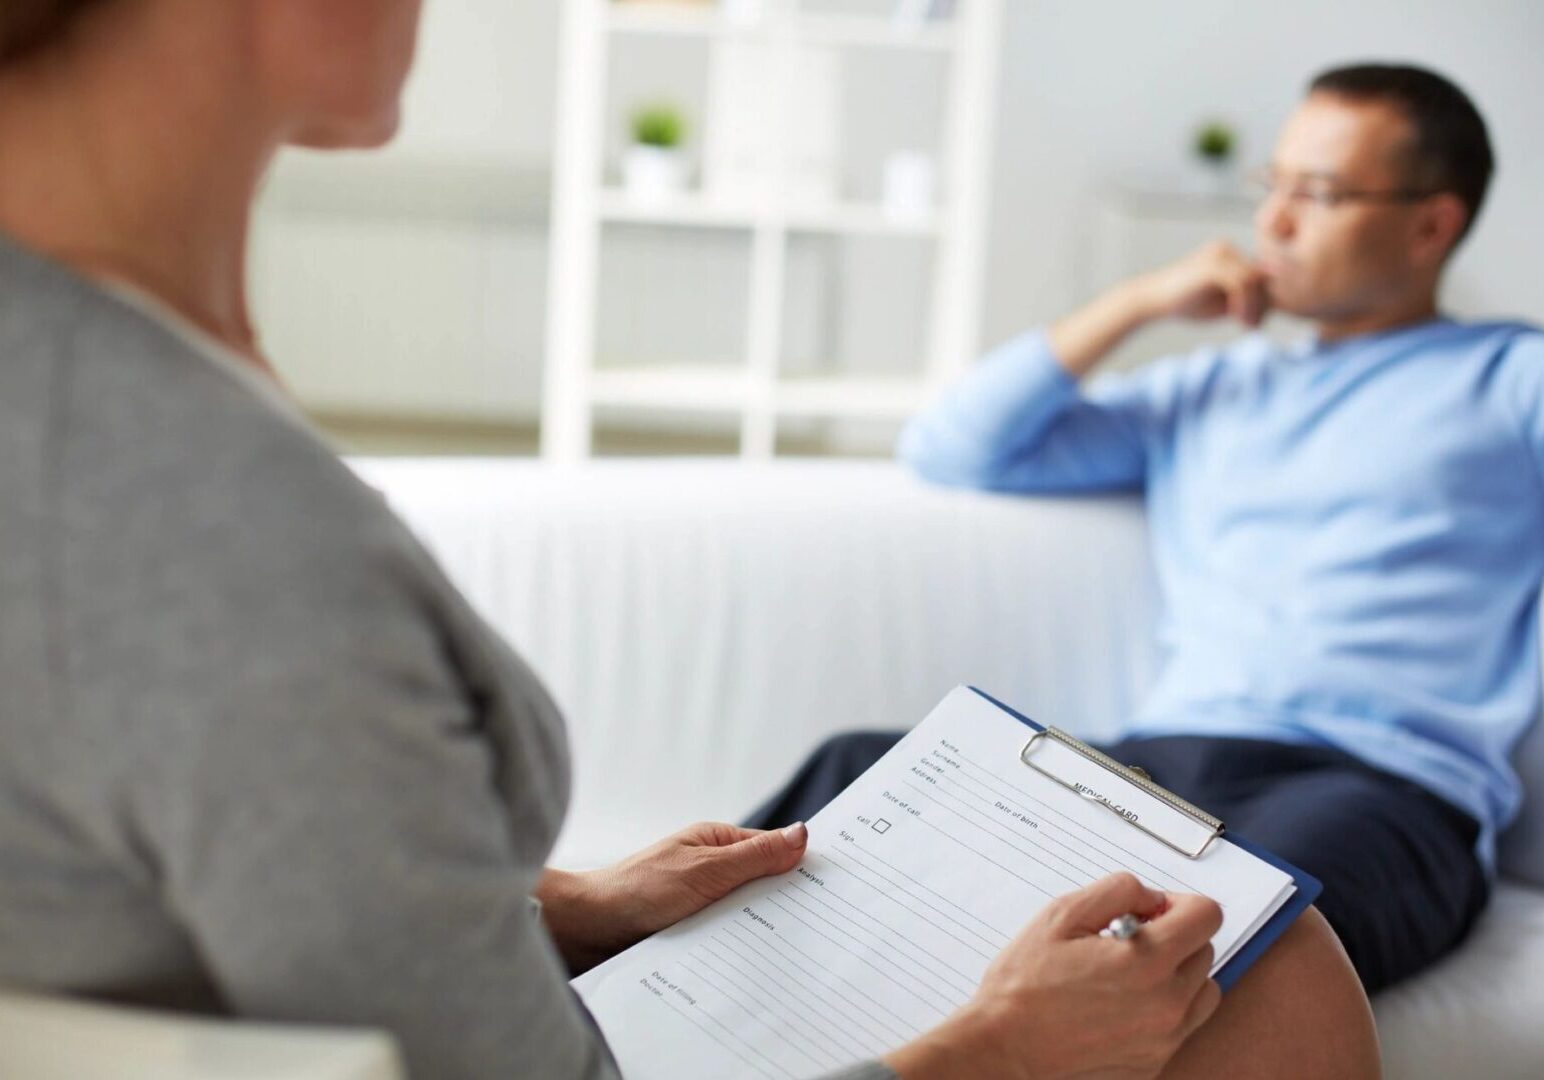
x=1133, y=776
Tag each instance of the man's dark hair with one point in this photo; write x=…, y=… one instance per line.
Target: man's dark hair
x=1451, y=149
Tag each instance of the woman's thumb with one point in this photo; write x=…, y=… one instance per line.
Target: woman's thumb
x=771, y=852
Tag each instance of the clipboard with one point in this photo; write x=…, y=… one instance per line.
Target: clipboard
x=1307, y=888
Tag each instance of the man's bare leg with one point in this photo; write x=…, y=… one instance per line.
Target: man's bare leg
x=1299, y=1012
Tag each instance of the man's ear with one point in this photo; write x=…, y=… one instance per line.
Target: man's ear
x=1439, y=223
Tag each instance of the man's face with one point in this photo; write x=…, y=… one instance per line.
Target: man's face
x=1330, y=259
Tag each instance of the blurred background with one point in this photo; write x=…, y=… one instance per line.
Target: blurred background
x=774, y=227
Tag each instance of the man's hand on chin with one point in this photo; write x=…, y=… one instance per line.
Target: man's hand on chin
x=1210, y=283
x=596, y=914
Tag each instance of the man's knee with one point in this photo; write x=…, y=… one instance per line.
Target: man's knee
x=1307, y=979
x=852, y=752
x=1313, y=943
x=1303, y=984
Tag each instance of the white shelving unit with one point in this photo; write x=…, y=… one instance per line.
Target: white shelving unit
x=756, y=388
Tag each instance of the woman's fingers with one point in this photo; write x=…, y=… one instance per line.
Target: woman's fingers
x=1202, y=1006
x=1090, y=909
x=1189, y=923
x=1196, y=968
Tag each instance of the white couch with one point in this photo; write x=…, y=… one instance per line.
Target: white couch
x=47, y=1039
x=704, y=624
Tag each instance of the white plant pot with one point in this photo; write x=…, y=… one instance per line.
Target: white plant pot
x=1219, y=179
x=653, y=173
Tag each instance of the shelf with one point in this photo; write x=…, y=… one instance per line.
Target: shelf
x=695, y=210
x=730, y=388
x=857, y=31
x=691, y=20
x=397, y=187
x=782, y=227
x=1179, y=204
x=873, y=396
x=688, y=208
x=874, y=33
x=672, y=386
x=862, y=218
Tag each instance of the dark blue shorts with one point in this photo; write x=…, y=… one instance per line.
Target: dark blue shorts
x=1402, y=886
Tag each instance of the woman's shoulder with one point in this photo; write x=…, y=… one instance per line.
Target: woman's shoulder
x=147, y=452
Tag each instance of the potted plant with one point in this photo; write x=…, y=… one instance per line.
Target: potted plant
x=654, y=167
x=1214, y=145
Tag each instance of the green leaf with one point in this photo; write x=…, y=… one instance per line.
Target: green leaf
x=659, y=124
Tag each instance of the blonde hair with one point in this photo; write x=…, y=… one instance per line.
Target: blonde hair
x=27, y=25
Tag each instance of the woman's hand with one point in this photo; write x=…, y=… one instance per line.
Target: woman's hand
x=1061, y=1001
x=595, y=915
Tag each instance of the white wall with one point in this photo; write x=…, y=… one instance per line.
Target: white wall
x=1097, y=90
x=444, y=234
x=484, y=81
x=411, y=282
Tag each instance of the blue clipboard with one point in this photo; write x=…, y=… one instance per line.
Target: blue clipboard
x=1308, y=886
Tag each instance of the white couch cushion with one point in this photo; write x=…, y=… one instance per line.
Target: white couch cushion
x=705, y=624
x=1522, y=846
x=659, y=598
x=1477, y=1014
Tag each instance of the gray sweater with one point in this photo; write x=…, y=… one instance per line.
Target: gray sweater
x=257, y=756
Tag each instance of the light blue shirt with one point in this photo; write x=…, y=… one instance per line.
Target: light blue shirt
x=1349, y=538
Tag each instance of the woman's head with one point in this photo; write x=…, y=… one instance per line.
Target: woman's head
x=335, y=67
x=328, y=73
x=27, y=25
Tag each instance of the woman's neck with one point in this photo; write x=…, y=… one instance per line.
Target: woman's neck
x=119, y=180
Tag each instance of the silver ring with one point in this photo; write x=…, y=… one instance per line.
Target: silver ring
x=1122, y=928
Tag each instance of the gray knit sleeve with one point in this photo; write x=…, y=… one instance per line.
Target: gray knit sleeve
x=341, y=786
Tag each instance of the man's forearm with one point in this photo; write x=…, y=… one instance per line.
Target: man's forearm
x=1085, y=337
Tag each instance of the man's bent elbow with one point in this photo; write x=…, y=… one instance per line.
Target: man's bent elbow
x=918, y=449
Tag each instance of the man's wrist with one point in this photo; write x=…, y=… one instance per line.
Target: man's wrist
x=1137, y=300
x=1082, y=339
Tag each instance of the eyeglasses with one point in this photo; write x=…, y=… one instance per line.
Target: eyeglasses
x=1322, y=193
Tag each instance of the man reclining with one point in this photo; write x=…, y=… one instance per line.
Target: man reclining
x=1348, y=532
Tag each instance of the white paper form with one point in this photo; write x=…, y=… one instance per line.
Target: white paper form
x=916, y=876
